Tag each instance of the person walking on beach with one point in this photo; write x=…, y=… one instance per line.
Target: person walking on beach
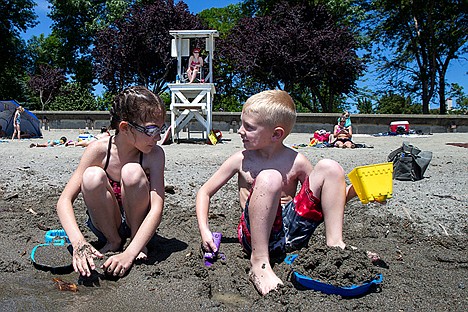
x=273, y=217
x=121, y=178
x=17, y=123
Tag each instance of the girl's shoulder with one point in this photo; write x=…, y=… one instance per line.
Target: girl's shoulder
x=98, y=148
x=155, y=156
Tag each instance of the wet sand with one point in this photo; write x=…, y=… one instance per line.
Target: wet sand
x=421, y=234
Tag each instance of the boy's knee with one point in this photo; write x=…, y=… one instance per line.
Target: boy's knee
x=329, y=167
x=270, y=179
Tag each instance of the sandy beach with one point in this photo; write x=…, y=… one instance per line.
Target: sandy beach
x=421, y=234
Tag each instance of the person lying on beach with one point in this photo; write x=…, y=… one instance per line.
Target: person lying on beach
x=84, y=143
x=51, y=143
x=121, y=179
x=274, y=218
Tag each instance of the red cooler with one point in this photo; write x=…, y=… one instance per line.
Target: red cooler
x=395, y=124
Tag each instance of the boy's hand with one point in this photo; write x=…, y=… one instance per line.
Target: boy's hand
x=83, y=258
x=207, y=241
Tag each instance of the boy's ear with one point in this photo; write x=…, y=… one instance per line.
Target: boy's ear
x=278, y=134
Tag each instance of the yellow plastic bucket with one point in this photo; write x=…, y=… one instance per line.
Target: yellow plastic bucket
x=373, y=182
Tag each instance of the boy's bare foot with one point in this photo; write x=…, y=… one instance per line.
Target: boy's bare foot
x=264, y=279
x=143, y=255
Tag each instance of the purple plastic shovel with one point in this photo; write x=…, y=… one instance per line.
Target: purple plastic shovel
x=211, y=257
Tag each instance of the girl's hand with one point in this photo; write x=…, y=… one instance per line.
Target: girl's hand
x=83, y=258
x=117, y=265
x=207, y=241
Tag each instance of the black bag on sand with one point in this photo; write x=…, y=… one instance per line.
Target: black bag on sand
x=409, y=162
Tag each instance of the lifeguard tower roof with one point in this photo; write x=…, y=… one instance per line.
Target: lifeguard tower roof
x=194, y=33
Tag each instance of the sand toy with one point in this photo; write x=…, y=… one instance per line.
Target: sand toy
x=55, y=255
x=373, y=182
x=348, y=291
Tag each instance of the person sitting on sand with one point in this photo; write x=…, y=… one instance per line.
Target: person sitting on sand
x=274, y=217
x=346, y=115
x=51, y=143
x=342, y=135
x=121, y=179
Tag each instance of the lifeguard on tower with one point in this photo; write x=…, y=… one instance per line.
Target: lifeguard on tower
x=192, y=100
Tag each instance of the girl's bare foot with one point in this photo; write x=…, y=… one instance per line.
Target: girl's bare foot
x=110, y=247
x=264, y=279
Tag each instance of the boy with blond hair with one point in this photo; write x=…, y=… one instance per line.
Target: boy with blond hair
x=273, y=217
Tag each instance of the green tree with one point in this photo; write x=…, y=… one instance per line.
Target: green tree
x=73, y=20
x=16, y=16
x=136, y=48
x=75, y=25
x=298, y=48
x=461, y=99
x=391, y=103
x=74, y=97
x=364, y=105
x=222, y=19
x=43, y=50
x=423, y=37
x=46, y=83
x=104, y=102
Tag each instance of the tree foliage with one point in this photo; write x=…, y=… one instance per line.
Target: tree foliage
x=43, y=50
x=222, y=19
x=46, y=83
x=364, y=105
x=73, y=21
x=16, y=16
x=424, y=36
x=73, y=97
x=461, y=99
x=136, y=48
x=391, y=103
x=295, y=45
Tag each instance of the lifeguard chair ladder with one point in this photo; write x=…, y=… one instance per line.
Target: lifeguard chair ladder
x=192, y=100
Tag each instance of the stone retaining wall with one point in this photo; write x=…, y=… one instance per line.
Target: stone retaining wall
x=306, y=123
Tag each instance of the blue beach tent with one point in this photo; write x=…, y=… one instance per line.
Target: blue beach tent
x=29, y=122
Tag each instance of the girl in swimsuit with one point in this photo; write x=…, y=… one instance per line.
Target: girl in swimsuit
x=121, y=178
x=343, y=135
x=17, y=123
x=194, y=64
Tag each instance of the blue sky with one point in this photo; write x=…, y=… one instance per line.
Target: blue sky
x=457, y=72
x=195, y=6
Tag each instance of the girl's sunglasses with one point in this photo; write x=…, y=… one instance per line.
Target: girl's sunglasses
x=151, y=131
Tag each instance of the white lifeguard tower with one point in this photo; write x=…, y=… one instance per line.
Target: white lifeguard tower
x=192, y=100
